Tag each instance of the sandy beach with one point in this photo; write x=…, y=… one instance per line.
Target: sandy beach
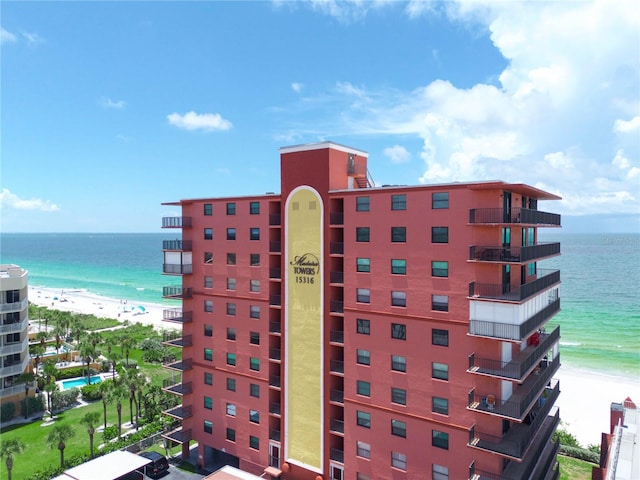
x=584, y=400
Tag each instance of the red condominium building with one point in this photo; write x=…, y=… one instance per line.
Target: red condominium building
x=341, y=330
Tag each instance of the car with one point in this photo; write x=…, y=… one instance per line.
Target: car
x=158, y=466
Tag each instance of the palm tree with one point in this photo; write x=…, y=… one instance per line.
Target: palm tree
x=59, y=334
x=27, y=378
x=50, y=388
x=57, y=438
x=118, y=393
x=90, y=419
x=127, y=343
x=9, y=449
x=105, y=390
x=88, y=353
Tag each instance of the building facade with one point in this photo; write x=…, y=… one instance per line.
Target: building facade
x=341, y=330
x=14, y=343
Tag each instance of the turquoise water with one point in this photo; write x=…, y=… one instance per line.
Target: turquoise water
x=600, y=274
x=78, y=382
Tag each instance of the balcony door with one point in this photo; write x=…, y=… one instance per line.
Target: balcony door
x=506, y=207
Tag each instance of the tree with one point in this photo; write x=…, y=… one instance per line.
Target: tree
x=88, y=353
x=127, y=343
x=105, y=390
x=59, y=333
x=50, y=388
x=118, y=393
x=27, y=378
x=58, y=438
x=9, y=449
x=90, y=419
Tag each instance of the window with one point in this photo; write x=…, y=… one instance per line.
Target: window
x=363, y=388
x=208, y=426
x=254, y=364
x=208, y=354
x=231, y=233
x=254, y=442
x=254, y=338
x=231, y=409
x=439, y=200
x=208, y=403
x=208, y=282
x=336, y=472
x=208, y=378
x=440, y=303
x=440, y=473
x=440, y=405
x=254, y=311
x=398, y=202
x=531, y=268
x=364, y=419
x=231, y=258
x=254, y=259
x=398, y=363
x=254, y=208
x=208, y=330
x=440, y=337
x=254, y=286
x=362, y=476
x=231, y=333
x=362, y=204
x=398, y=428
x=399, y=331
x=208, y=233
x=231, y=359
x=399, y=460
x=231, y=308
x=208, y=209
x=231, y=384
x=231, y=208
x=440, y=371
x=399, y=396
x=363, y=265
x=439, y=234
x=440, y=439
x=231, y=434
x=363, y=357
x=398, y=234
x=440, y=269
x=362, y=234
x=363, y=326
x=399, y=299
x=254, y=390
x=208, y=306
x=208, y=257
x=398, y=266
x=363, y=450
x=363, y=295
x=254, y=234
x=254, y=416
x=231, y=283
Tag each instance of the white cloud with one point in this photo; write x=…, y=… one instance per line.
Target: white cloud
x=32, y=38
x=398, y=154
x=6, y=36
x=109, y=103
x=624, y=126
x=199, y=121
x=297, y=87
x=10, y=200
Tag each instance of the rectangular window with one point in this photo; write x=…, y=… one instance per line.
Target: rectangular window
x=440, y=405
x=254, y=390
x=254, y=311
x=362, y=476
x=363, y=388
x=364, y=419
x=363, y=295
x=399, y=331
x=254, y=208
x=254, y=442
x=440, y=439
x=208, y=378
x=363, y=265
x=398, y=363
x=254, y=364
x=440, y=269
x=398, y=266
x=399, y=460
x=231, y=208
x=254, y=259
x=254, y=338
x=440, y=303
x=398, y=428
x=231, y=258
x=231, y=435
x=398, y=202
x=362, y=234
x=440, y=337
x=363, y=326
x=254, y=234
x=439, y=234
x=208, y=306
x=208, y=282
x=208, y=257
x=440, y=371
x=208, y=233
x=231, y=359
x=208, y=209
x=231, y=283
x=208, y=330
x=399, y=234
x=440, y=472
x=399, y=396
x=231, y=233
x=363, y=450
x=231, y=384
x=439, y=200
x=208, y=403
x=208, y=354
x=254, y=286
x=231, y=409
x=254, y=416
x=362, y=204
x=231, y=308
x=399, y=299
x=208, y=426
x=231, y=333
x=363, y=357
x=531, y=268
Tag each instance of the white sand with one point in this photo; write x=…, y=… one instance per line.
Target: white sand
x=584, y=400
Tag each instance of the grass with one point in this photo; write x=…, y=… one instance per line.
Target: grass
x=574, y=469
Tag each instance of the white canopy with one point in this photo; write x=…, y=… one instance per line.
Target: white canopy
x=106, y=467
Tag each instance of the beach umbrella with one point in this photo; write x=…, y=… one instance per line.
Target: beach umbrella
x=141, y=308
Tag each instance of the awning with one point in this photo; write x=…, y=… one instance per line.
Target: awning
x=106, y=467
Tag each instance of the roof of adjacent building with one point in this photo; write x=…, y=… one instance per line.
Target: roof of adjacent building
x=107, y=467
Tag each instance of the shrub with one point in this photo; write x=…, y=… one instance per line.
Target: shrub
x=132, y=365
x=7, y=411
x=91, y=393
x=565, y=438
x=64, y=400
x=110, y=433
x=36, y=404
x=70, y=373
x=580, y=454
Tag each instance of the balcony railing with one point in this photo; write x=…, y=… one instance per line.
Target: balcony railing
x=336, y=277
x=274, y=434
x=178, y=435
x=336, y=306
x=176, y=315
x=513, y=254
x=275, y=272
x=336, y=218
x=176, y=292
x=179, y=388
x=180, y=412
x=336, y=425
x=178, y=341
x=336, y=396
x=274, y=381
x=177, y=268
x=176, y=222
x=336, y=336
x=275, y=327
x=275, y=246
x=274, y=409
x=507, y=331
x=275, y=219
x=10, y=369
x=336, y=455
x=516, y=293
x=513, y=215
x=180, y=245
x=336, y=366
x=275, y=300
x=274, y=354
x=181, y=365
x=15, y=347
x=14, y=306
x=14, y=327
x=521, y=364
x=337, y=248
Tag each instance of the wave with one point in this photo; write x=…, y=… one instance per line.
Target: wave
x=570, y=344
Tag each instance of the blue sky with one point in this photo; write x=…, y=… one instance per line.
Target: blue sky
x=111, y=108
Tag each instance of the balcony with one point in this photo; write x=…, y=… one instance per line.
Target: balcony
x=518, y=293
x=16, y=368
x=336, y=366
x=180, y=412
x=274, y=381
x=275, y=300
x=14, y=306
x=336, y=248
x=177, y=268
x=177, y=388
x=178, y=245
x=181, y=365
x=14, y=327
x=178, y=436
x=509, y=331
x=336, y=277
x=176, y=315
x=275, y=246
x=274, y=354
x=275, y=328
x=513, y=254
x=540, y=463
x=15, y=347
x=275, y=273
x=514, y=215
x=275, y=220
x=176, y=340
x=176, y=222
x=176, y=293
x=336, y=396
x=274, y=434
x=336, y=306
x=337, y=455
x=336, y=336
x=522, y=363
x=336, y=218
x=336, y=426
x=274, y=409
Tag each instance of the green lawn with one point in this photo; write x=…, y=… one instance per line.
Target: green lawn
x=574, y=469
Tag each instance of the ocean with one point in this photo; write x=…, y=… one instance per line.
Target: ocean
x=600, y=274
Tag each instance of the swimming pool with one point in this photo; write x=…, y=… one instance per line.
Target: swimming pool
x=79, y=382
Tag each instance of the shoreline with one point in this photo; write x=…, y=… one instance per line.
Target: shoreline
x=585, y=395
